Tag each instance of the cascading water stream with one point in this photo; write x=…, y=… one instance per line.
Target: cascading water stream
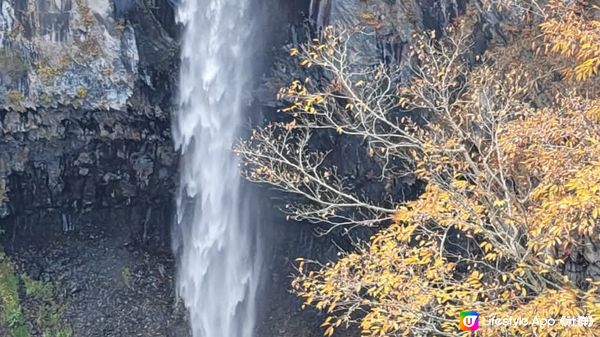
x=214, y=238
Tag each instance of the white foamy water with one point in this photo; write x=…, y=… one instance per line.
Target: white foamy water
x=214, y=238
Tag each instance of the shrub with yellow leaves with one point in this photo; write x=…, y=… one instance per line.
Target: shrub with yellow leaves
x=512, y=199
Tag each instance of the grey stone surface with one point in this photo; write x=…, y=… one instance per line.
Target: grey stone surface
x=85, y=92
x=66, y=53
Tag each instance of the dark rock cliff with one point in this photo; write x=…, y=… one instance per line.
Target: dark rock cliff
x=87, y=165
x=90, y=130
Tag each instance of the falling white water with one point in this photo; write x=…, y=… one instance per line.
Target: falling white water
x=214, y=237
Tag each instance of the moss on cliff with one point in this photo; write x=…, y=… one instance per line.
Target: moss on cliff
x=15, y=100
x=29, y=307
x=11, y=313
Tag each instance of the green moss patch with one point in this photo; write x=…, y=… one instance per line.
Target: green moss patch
x=29, y=307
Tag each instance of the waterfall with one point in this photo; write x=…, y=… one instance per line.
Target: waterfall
x=214, y=237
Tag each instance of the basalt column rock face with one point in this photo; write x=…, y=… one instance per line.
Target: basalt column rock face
x=59, y=165
x=87, y=164
x=85, y=93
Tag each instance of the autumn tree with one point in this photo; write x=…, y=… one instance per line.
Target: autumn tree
x=509, y=222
